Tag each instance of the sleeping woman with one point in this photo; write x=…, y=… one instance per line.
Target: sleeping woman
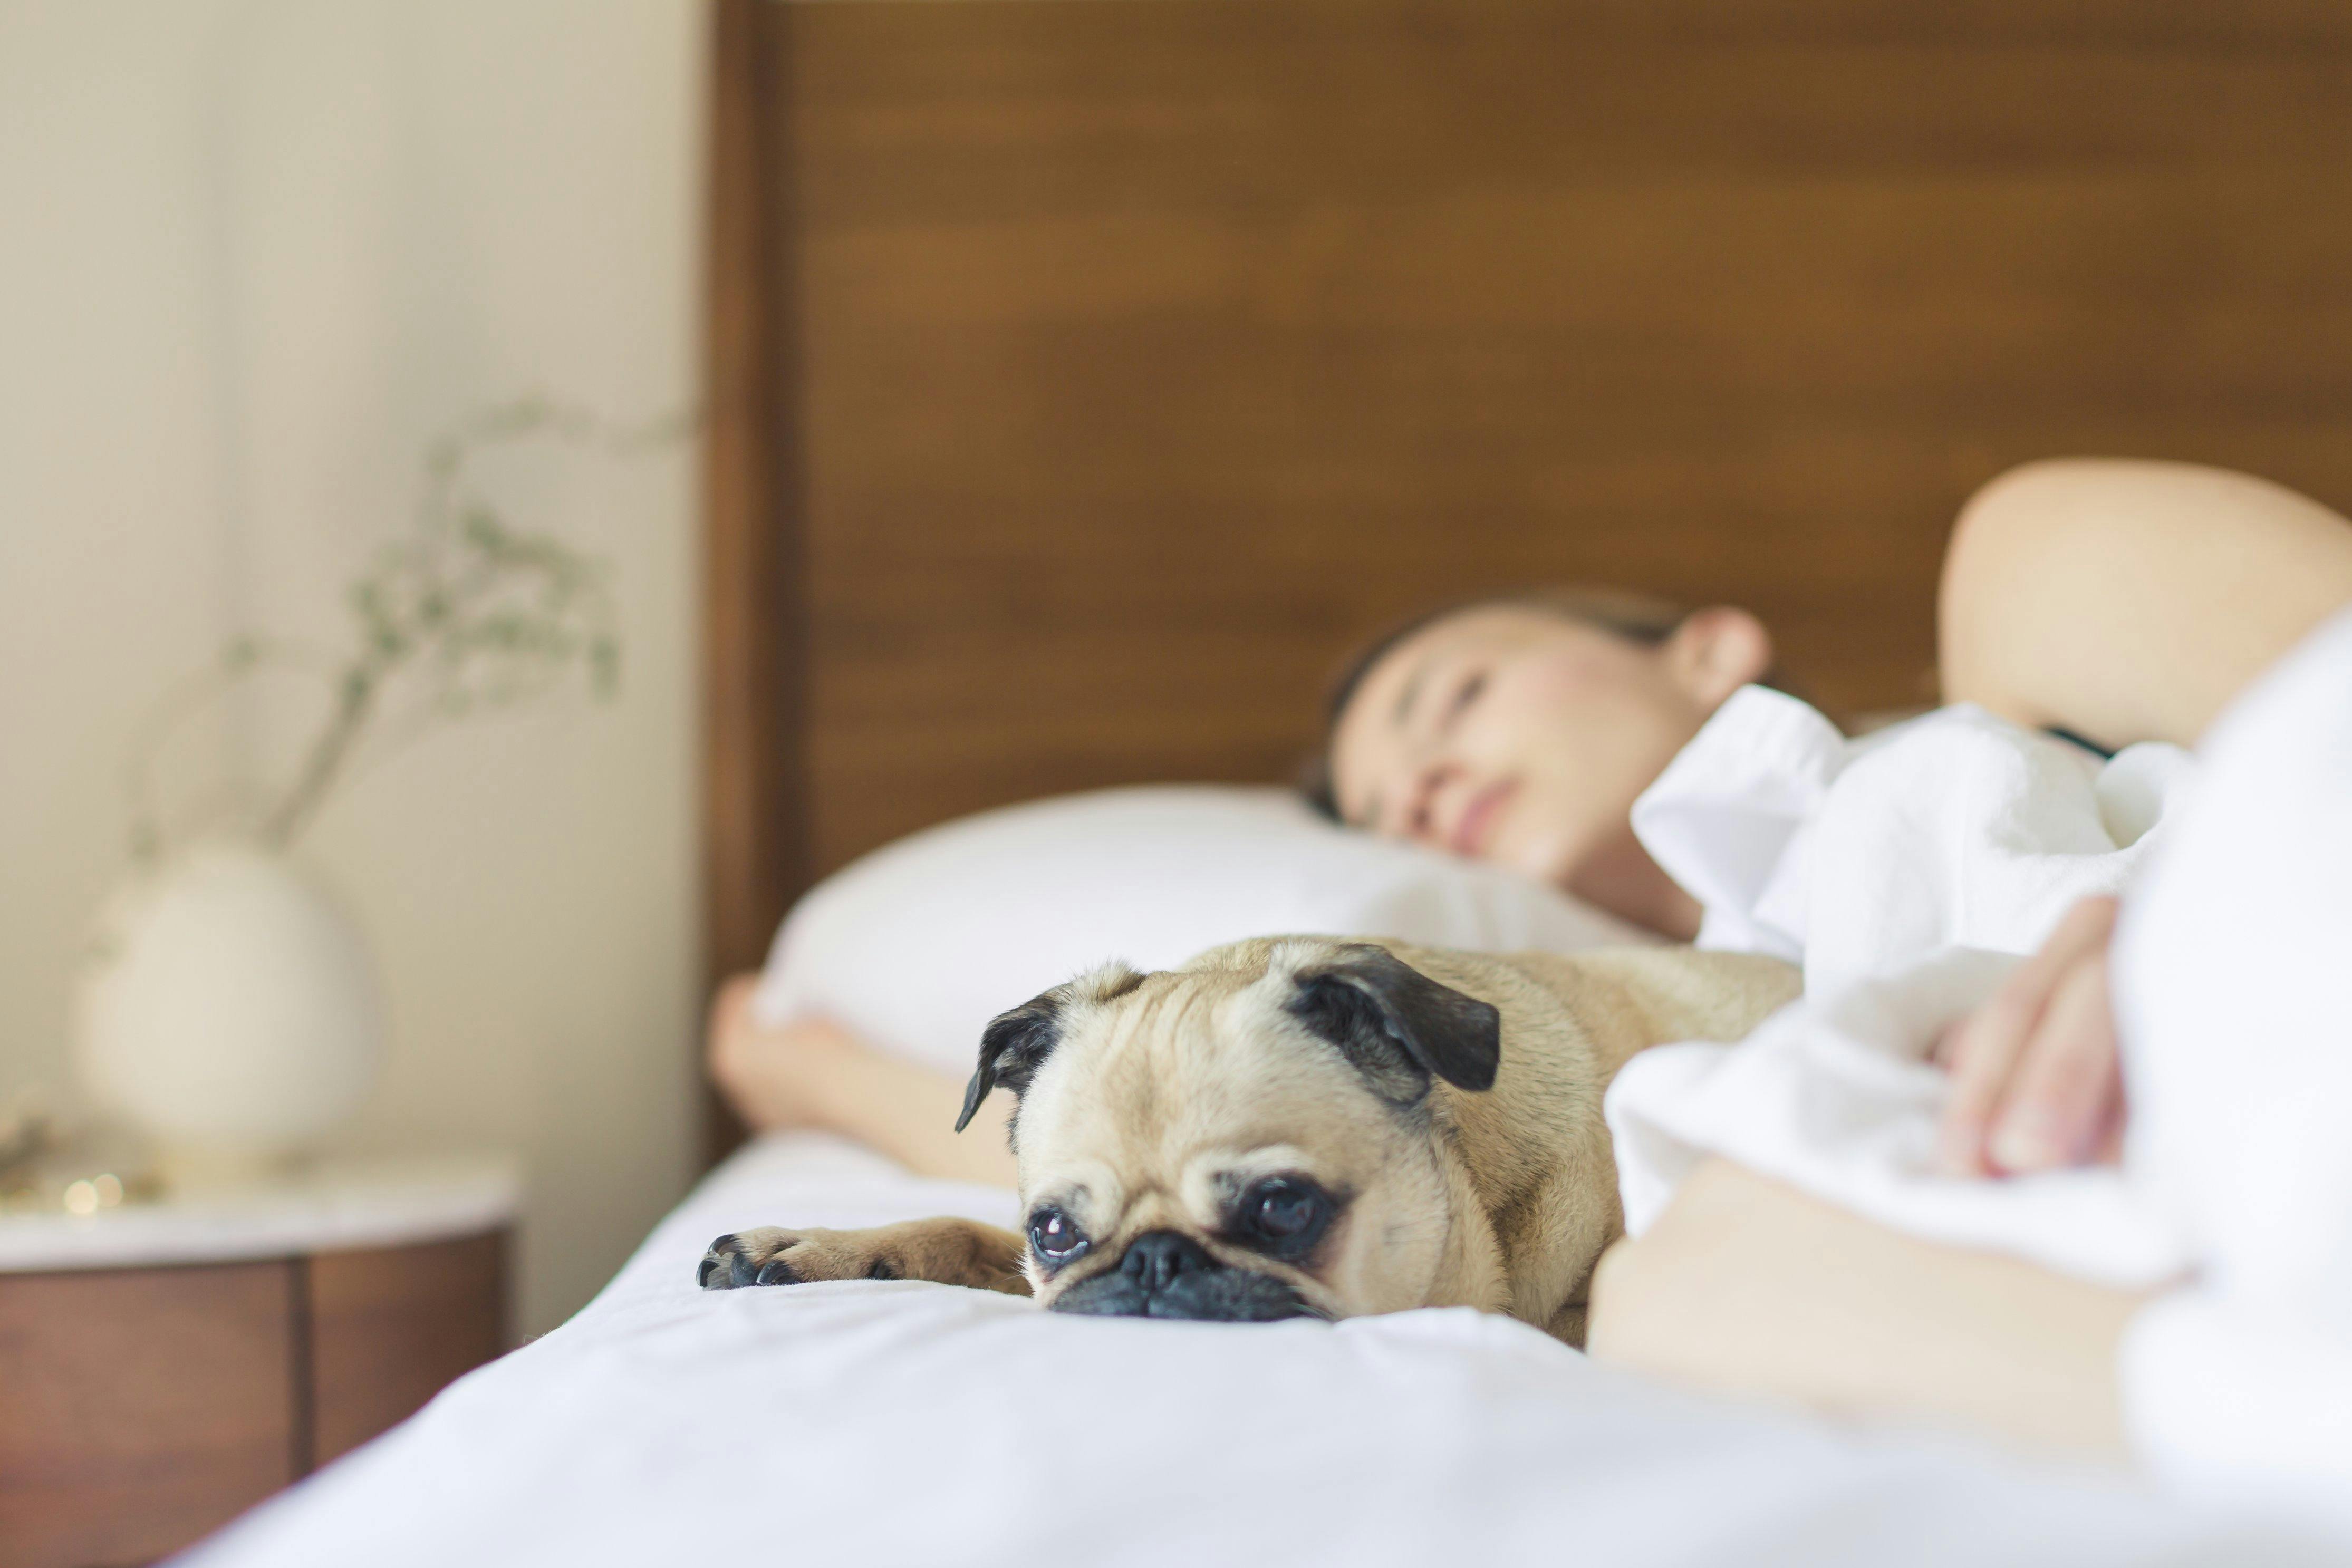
x=2111, y=601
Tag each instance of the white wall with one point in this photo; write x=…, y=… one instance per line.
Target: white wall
x=253, y=254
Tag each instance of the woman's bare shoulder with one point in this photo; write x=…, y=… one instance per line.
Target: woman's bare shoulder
x=2125, y=600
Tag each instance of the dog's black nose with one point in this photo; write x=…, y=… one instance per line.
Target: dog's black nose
x=1156, y=1258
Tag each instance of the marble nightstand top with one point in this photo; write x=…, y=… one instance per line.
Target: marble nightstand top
x=332, y=1206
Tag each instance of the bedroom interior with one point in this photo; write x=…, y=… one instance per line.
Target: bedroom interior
x=1077, y=384
x=1086, y=381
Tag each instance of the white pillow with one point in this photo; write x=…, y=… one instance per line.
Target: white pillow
x=919, y=943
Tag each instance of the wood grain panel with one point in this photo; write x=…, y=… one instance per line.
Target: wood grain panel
x=755, y=813
x=753, y=671
x=1144, y=357
x=391, y=1327
x=140, y=1408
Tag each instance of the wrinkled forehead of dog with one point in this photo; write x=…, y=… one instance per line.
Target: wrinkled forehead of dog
x=1258, y=1044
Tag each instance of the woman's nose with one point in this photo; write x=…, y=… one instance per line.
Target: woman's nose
x=1420, y=809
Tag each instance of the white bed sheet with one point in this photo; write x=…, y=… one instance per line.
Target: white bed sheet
x=898, y=1422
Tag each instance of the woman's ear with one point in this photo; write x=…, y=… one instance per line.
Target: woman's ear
x=1716, y=650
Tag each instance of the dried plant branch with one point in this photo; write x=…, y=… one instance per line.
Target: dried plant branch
x=473, y=613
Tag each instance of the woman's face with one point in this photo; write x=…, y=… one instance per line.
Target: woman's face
x=1519, y=736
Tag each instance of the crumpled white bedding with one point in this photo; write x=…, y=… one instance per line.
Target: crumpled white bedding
x=1857, y=857
x=2236, y=1022
x=898, y=1422
x=2234, y=1018
x=1837, y=1099
x=1907, y=871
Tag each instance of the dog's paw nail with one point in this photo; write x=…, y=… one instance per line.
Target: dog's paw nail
x=775, y=1271
x=728, y=1263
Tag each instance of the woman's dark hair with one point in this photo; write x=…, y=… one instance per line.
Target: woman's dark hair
x=1636, y=617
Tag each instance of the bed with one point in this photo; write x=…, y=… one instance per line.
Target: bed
x=1083, y=380
x=896, y=1421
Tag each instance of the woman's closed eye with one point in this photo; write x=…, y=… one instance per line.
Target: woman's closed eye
x=1466, y=691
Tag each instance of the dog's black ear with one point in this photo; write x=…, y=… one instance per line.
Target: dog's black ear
x=1015, y=1043
x=1010, y=1048
x=1397, y=1024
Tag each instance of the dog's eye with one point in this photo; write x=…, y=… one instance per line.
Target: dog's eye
x=1055, y=1235
x=1282, y=1210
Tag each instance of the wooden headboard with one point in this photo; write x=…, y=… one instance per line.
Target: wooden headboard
x=1087, y=376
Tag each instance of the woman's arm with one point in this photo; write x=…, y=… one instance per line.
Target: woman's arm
x=812, y=1072
x=2122, y=600
x=1744, y=1286
x=2130, y=600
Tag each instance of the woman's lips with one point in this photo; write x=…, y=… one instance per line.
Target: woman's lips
x=1476, y=823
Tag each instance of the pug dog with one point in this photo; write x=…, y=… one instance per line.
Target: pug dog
x=1305, y=1127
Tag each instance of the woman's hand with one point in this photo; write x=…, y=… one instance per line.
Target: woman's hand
x=2036, y=1082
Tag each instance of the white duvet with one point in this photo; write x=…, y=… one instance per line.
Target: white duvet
x=898, y=1422
x=1909, y=871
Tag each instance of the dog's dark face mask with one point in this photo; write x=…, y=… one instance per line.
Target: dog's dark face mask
x=1167, y=1274
x=1352, y=1034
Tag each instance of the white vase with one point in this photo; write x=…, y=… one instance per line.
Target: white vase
x=228, y=1009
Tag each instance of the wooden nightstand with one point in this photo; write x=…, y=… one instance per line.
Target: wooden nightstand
x=164, y=1367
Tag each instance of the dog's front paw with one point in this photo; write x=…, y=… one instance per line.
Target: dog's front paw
x=748, y=1258
x=769, y=1256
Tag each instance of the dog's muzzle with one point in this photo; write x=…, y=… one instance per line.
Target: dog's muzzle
x=1167, y=1274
